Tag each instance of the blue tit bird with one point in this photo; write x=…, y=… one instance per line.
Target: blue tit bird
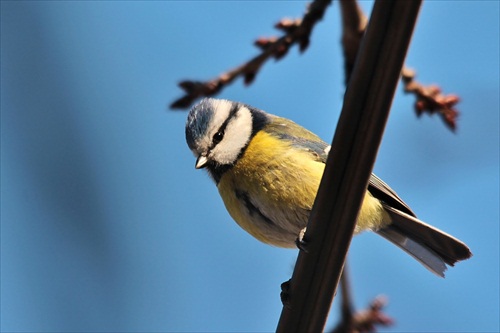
x=268, y=169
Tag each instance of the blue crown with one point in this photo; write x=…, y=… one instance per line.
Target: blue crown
x=198, y=120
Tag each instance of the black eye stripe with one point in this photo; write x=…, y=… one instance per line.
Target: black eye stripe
x=219, y=135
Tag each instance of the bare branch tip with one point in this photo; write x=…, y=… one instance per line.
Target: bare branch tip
x=182, y=103
x=288, y=25
x=430, y=99
x=295, y=31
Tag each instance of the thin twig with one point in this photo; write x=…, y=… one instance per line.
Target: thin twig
x=354, y=23
x=429, y=99
x=296, y=31
x=347, y=305
x=364, y=320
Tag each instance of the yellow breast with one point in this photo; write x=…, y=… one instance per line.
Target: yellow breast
x=270, y=191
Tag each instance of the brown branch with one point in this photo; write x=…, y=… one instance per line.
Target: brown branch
x=296, y=31
x=353, y=28
x=347, y=304
x=429, y=99
x=311, y=289
x=366, y=320
x=360, y=321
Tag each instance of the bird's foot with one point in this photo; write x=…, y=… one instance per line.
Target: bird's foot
x=300, y=242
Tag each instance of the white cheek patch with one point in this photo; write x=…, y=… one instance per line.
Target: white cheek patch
x=236, y=137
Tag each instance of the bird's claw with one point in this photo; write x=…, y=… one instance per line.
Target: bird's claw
x=285, y=293
x=300, y=242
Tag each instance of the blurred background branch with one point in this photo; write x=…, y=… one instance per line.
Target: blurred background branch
x=366, y=320
x=430, y=100
x=298, y=31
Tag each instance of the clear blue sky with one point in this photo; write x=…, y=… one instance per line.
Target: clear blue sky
x=106, y=225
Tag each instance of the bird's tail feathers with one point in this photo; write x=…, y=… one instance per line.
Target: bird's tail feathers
x=432, y=247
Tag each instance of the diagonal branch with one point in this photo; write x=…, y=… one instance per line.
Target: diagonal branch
x=343, y=185
x=295, y=32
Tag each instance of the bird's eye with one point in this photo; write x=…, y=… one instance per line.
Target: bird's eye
x=218, y=137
